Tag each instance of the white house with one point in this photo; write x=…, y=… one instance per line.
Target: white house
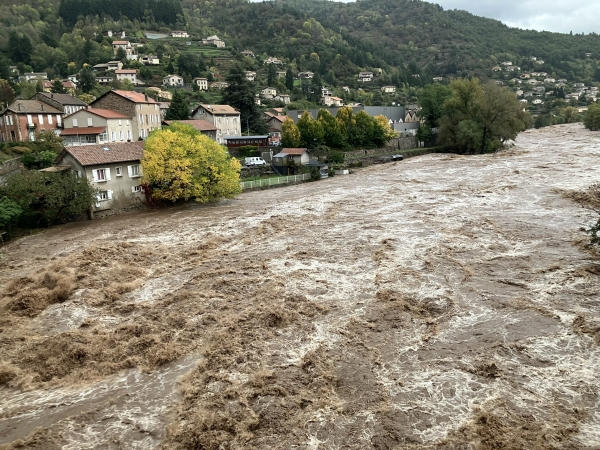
x=250, y=76
x=179, y=34
x=127, y=74
x=283, y=98
x=173, y=81
x=268, y=92
x=214, y=40
x=388, y=89
x=364, y=77
x=202, y=83
x=248, y=53
x=150, y=60
x=224, y=117
x=271, y=60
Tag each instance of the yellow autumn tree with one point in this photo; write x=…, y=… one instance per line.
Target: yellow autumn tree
x=181, y=163
x=386, y=130
x=290, y=134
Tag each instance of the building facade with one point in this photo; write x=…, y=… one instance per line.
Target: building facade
x=96, y=126
x=66, y=103
x=143, y=110
x=224, y=117
x=23, y=118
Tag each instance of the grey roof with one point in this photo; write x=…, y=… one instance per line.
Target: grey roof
x=65, y=99
x=32, y=107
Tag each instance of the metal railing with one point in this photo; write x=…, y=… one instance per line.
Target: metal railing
x=273, y=181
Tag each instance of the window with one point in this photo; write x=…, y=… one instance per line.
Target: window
x=58, y=120
x=134, y=171
x=101, y=175
x=29, y=119
x=103, y=196
x=137, y=188
x=219, y=121
x=89, y=139
x=113, y=136
x=67, y=110
x=235, y=120
x=41, y=119
x=127, y=122
x=119, y=122
x=147, y=118
x=120, y=135
x=128, y=135
x=49, y=119
x=119, y=171
x=141, y=119
x=90, y=122
x=75, y=123
x=139, y=106
x=103, y=136
x=142, y=133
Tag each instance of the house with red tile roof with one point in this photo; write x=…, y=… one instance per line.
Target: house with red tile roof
x=144, y=111
x=113, y=168
x=203, y=126
x=226, y=118
x=96, y=126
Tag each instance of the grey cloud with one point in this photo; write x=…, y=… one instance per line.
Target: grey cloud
x=551, y=15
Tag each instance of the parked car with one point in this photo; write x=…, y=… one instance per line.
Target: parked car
x=255, y=161
x=397, y=157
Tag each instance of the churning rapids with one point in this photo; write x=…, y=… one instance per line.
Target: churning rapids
x=440, y=302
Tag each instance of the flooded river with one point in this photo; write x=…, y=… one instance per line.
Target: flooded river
x=439, y=302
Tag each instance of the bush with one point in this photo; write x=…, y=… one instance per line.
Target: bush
x=315, y=173
x=592, y=117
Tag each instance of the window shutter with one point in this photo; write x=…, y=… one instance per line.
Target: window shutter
x=107, y=172
x=95, y=175
x=109, y=194
x=130, y=171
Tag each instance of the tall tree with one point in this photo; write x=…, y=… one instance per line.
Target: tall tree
x=271, y=75
x=57, y=87
x=87, y=79
x=289, y=80
x=240, y=94
x=290, y=135
x=332, y=133
x=179, y=108
x=7, y=94
x=311, y=131
x=19, y=47
x=181, y=163
x=432, y=101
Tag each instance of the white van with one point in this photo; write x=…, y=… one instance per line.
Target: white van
x=255, y=161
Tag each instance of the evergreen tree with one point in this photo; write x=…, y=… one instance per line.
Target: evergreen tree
x=240, y=94
x=179, y=109
x=271, y=75
x=170, y=68
x=290, y=135
x=87, y=79
x=57, y=87
x=289, y=80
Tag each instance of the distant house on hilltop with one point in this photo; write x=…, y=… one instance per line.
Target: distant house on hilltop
x=248, y=53
x=173, y=81
x=364, y=77
x=179, y=34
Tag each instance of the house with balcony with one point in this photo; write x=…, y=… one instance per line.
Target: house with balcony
x=150, y=60
x=130, y=50
x=388, y=89
x=96, y=126
x=365, y=77
x=180, y=34
x=214, y=40
x=250, y=75
x=248, y=53
x=23, y=118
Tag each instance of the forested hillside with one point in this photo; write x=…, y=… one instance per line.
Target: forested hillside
x=412, y=41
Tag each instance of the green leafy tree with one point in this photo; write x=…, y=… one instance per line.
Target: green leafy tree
x=7, y=94
x=9, y=212
x=19, y=47
x=240, y=94
x=432, y=101
x=179, y=108
x=332, y=132
x=592, y=117
x=50, y=196
x=571, y=114
x=345, y=117
x=290, y=134
x=311, y=131
x=363, y=133
x=170, y=68
x=181, y=163
x=87, y=98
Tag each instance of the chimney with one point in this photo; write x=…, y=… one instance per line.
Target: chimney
x=42, y=107
x=19, y=104
x=51, y=95
x=145, y=97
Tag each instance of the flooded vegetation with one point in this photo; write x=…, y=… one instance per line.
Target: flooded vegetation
x=439, y=302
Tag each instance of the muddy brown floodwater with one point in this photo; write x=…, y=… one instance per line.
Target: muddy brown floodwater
x=439, y=302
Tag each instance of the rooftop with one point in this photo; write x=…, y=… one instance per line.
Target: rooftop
x=293, y=151
x=219, y=109
x=136, y=97
x=82, y=131
x=91, y=155
x=65, y=99
x=200, y=125
x=32, y=107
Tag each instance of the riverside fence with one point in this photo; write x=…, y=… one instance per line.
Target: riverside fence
x=273, y=181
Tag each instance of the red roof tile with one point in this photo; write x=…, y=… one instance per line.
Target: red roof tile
x=91, y=155
x=293, y=151
x=83, y=131
x=136, y=97
x=107, y=113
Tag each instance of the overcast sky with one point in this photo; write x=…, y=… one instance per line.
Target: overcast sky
x=551, y=15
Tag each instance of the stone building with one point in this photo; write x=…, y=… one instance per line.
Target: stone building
x=143, y=110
